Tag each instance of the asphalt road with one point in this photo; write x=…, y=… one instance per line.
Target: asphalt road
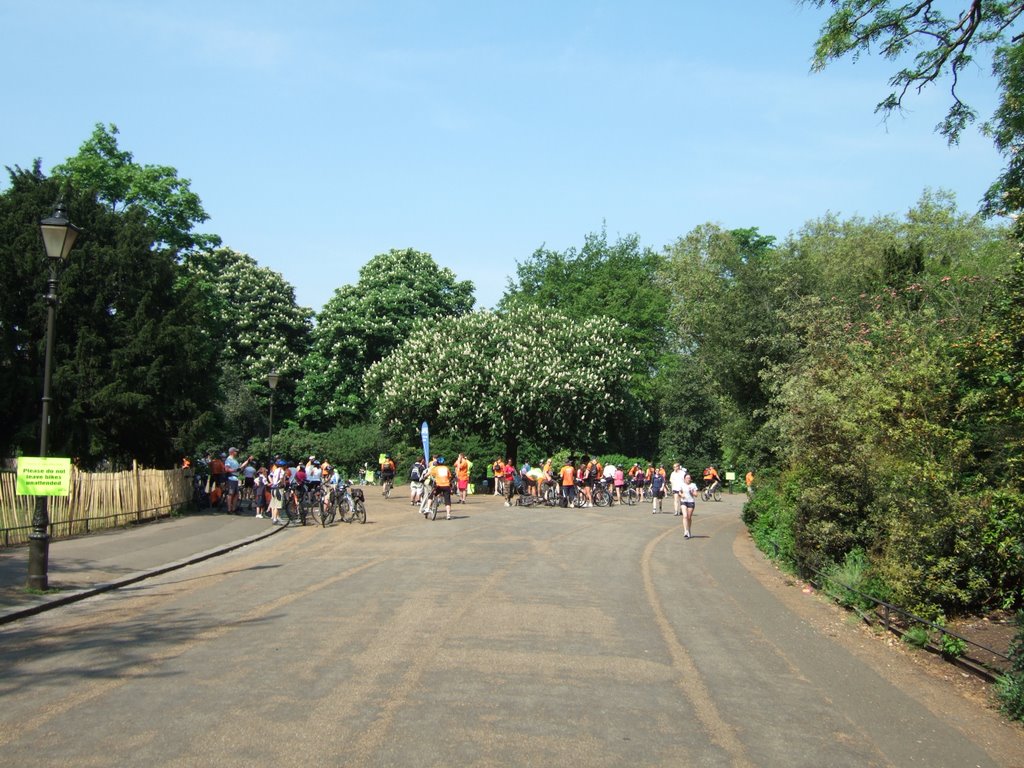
x=503, y=637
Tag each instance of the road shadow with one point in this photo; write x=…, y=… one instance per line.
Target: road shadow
x=34, y=657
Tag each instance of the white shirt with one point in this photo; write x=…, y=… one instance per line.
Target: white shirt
x=690, y=492
x=609, y=472
x=677, y=480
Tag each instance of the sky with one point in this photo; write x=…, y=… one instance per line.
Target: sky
x=319, y=134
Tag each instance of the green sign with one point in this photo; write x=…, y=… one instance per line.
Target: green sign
x=43, y=477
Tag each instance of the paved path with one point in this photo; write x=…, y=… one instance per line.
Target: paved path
x=78, y=566
x=504, y=637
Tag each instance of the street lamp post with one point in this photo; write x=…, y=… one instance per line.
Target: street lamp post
x=59, y=237
x=272, y=378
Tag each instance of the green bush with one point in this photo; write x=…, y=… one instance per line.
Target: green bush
x=854, y=572
x=1010, y=687
x=770, y=514
x=953, y=647
x=916, y=636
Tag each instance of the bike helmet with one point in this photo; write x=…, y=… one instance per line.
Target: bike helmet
x=281, y=463
x=440, y=459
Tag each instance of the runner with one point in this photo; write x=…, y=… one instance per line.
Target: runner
x=689, y=502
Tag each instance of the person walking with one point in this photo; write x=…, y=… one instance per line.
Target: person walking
x=462, y=467
x=568, y=478
x=676, y=481
x=657, y=489
x=416, y=475
x=278, y=482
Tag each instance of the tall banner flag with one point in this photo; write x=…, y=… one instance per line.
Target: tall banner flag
x=425, y=436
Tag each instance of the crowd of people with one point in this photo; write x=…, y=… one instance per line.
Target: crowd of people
x=269, y=483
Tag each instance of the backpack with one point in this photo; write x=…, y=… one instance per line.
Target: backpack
x=416, y=473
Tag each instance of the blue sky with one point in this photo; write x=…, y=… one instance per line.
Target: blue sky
x=321, y=133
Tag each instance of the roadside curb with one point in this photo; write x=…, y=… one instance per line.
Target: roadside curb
x=62, y=599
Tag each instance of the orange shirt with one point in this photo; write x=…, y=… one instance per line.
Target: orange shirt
x=568, y=475
x=462, y=470
x=442, y=475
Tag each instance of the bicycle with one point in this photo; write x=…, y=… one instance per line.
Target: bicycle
x=350, y=503
x=389, y=483
x=601, y=494
x=247, y=495
x=298, y=504
x=713, y=491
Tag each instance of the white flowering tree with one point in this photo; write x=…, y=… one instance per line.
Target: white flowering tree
x=525, y=373
x=258, y=327
x=362, y=323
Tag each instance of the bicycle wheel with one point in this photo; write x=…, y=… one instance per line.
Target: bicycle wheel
x=345, y=510
x=630, y=496
x=359, y=513
x=387, y=488
x=434, y=504
x=717, y=494
x=601, y=497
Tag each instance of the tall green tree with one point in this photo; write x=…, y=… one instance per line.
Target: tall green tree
x=730, y=291
x=601, y=279
x=521, y=374
x=130, y=380
x=116, y=180
x=364, y=322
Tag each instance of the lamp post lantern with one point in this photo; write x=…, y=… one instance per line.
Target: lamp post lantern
x=272, y=378
x=59, y=237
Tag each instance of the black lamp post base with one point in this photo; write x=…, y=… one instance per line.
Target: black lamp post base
x=38, y=562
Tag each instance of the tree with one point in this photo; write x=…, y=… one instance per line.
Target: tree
x=945, y=46
x=601, y=279
x=120, y=183
x=523, y=373
x=362, y=323
x=252, y=317
x=730, y=292
x=130, y=380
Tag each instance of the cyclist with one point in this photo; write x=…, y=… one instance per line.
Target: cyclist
x=442, y=476
x=314, y=475
x=298, y=485
x=387, y=473
x=711, y=479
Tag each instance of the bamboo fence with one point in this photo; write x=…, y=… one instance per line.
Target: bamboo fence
x=96, y=500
